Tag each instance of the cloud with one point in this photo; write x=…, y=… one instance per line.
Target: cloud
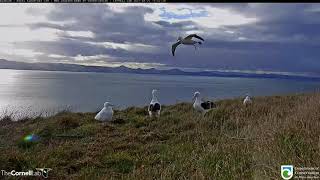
x=18, y=14
x=86, y=34
x=22, y=34
x=57, y=56
x=26, y=53
x=241, y=36
x=131, y=47
x=133, y=65
x=183, y=13
x=79, y=57
x=206, y=16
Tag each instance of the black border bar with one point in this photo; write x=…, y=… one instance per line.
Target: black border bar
x=157, y=1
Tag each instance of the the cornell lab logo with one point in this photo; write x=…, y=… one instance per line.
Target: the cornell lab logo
x=44, y=171
x=286, y=171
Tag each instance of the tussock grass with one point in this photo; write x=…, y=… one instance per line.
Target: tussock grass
x=230, y=142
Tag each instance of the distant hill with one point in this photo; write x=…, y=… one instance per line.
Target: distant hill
x=5, y=64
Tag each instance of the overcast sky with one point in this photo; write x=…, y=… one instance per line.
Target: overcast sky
x=259, y=37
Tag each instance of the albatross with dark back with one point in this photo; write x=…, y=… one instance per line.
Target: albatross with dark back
x=201, y=106
x=208, y=105
x=187, y=41
x=155, y=106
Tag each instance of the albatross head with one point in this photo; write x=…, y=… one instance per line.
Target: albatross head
x=154, y=91
x=107, y=104
x=195, y=95
x=154, y=96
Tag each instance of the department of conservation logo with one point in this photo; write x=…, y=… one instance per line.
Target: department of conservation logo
x=287, y=171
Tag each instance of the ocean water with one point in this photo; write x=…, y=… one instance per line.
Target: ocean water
x=34, y=92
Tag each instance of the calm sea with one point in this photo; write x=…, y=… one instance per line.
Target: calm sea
x=50, y=91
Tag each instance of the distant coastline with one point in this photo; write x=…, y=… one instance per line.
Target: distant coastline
x=5, y=64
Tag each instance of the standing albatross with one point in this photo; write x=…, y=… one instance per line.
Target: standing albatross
x=154, y=107
x=187, y=41
x=201, y=106
x=106, y=113
x=247, y=100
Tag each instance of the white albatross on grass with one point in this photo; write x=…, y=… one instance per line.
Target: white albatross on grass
x=155, y=106
x=187, y=41
x=202, y=106
x=106, y=113
x=247, y=100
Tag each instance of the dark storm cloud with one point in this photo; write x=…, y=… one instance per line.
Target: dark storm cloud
x=273, y=56
x=179, y=25
x=279, y=20
x=285, y=37
x=108, y=25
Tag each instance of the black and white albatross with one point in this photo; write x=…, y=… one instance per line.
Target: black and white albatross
x=155, y=106
x=202, y=106
x=187, y=41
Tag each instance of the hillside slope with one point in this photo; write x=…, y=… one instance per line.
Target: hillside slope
x=230, y=142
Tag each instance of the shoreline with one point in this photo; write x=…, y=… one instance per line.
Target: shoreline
x=195, y=74
x=46, y=113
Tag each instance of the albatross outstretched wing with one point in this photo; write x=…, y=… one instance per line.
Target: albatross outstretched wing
x=195, y=36
x=174, y=46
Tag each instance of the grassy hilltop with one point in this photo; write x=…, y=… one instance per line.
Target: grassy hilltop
x=230, y=142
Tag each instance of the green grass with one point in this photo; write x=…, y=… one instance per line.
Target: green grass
x=230, y=142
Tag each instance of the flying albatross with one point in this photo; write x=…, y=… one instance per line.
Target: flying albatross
x=200, y=105
x=154, y=107
x=187, y=41
x=106, y=113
